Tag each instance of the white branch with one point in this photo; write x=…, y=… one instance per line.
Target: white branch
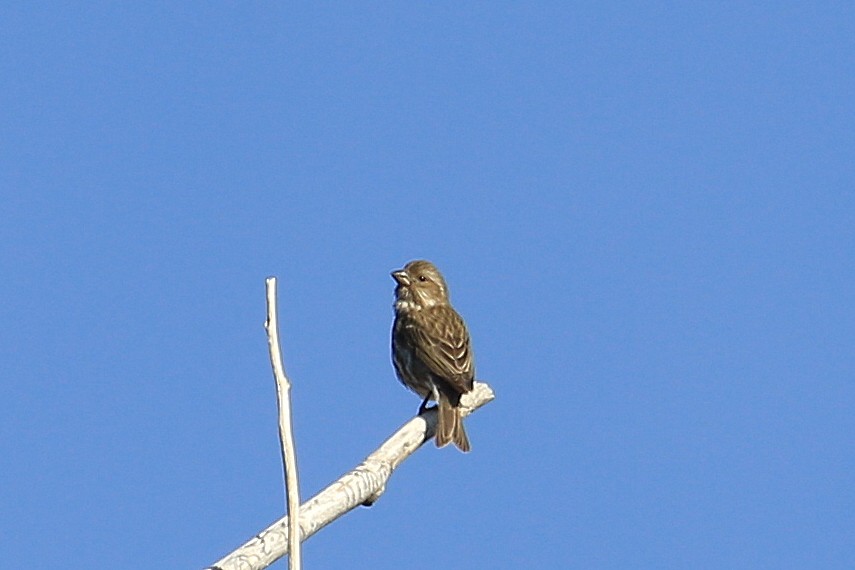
x=363, y=485
x=286, y=434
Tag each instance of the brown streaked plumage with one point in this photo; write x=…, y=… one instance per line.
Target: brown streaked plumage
x=431, y=348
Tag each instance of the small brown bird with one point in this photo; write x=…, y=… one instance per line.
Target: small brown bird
x=430, y=347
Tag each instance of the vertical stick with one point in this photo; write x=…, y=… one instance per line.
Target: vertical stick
x=286, y=435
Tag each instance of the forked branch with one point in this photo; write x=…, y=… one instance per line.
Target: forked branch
x=362, y=485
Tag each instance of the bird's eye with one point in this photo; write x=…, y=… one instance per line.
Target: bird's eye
x=422, y=278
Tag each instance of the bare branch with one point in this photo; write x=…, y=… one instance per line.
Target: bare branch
x=363, y=485
x=286, y=434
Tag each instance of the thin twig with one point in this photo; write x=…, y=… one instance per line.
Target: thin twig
x=286, y=434
x=362, y=485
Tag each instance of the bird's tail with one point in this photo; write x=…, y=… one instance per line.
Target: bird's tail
x=449, y=428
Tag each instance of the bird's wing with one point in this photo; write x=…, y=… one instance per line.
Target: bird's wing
x=442, y=343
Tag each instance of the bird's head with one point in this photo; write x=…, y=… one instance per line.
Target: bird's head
x=420, y=285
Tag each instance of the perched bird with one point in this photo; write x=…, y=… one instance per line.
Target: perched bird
x=430, y=347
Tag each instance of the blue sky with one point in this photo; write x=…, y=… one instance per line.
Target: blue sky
x=645, y=212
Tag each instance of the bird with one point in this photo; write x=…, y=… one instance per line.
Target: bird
x=431, y=348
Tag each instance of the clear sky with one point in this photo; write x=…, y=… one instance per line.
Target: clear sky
x=645, y=212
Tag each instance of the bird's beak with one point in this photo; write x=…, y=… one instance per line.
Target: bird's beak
x=401, y=277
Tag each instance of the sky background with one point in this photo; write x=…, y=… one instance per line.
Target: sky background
x=645, y=212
